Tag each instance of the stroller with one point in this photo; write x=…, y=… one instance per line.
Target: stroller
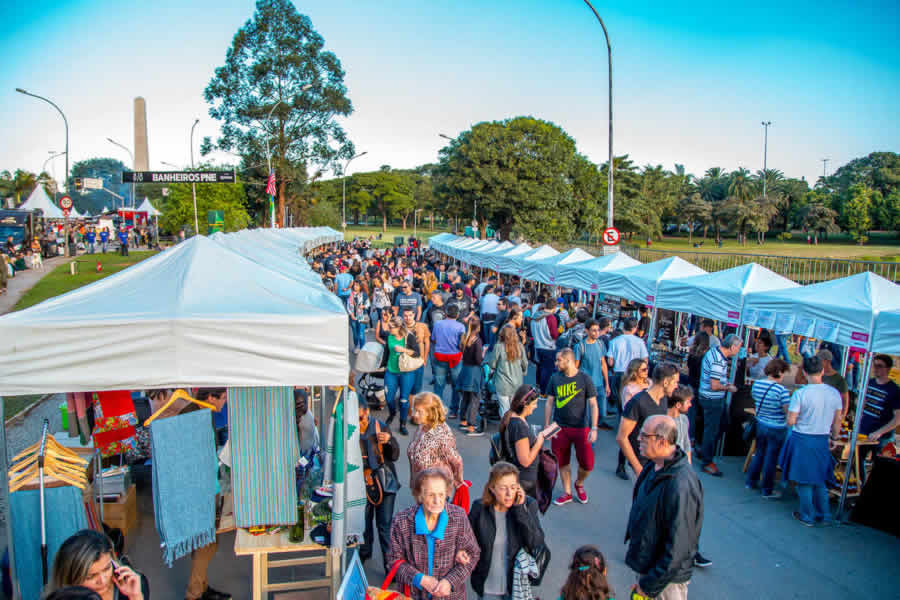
x=490, y=408
x=371, y=363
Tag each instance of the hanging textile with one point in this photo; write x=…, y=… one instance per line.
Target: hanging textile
x=264, y=452
x=114, y=422
x=348, y=510
x=64, y=515
x=184, y=482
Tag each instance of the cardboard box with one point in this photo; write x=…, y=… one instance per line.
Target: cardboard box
x=122, y=513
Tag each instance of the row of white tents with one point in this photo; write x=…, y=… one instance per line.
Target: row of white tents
x=39, y=200
x=860, y=311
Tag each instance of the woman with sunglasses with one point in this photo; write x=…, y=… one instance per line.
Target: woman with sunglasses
x=635, y=381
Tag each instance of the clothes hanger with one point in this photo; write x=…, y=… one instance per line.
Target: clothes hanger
x=47, y=458
x=178, y=394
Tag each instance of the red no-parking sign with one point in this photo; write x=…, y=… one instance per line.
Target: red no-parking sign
x=611, y=236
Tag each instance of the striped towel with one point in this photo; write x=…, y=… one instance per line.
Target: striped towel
x=184, y=482
x=264, y=452
x=64, y=510
x=525, y=567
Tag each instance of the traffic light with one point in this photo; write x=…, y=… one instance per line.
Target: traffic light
x=79, y=184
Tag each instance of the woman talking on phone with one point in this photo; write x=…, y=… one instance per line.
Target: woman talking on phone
x=504, y=521
x=87, y=559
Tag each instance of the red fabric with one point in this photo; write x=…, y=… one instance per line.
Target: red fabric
x=114, y=423
x=461, y=496
x=114, y=404
x=553, y=325
x=451, y=359
x=562, y=447
x=390, y=577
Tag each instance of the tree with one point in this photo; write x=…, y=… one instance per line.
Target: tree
x=857, y=210
x=276, y=64
x=518, y=171
x=23, y=184
x=713, y=188
x=886, y=211
x=694, y=209
x=178, y=206
x=817, y=216
x=324, y=215
x=390, y=192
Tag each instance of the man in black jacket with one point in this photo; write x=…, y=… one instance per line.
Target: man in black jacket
x=379, y=451
x=666, y=515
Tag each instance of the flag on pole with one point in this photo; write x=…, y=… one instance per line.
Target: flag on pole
x=270, y=186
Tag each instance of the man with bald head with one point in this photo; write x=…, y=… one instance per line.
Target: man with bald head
x=666, y=515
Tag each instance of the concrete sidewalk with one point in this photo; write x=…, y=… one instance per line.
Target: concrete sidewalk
x=25, y=280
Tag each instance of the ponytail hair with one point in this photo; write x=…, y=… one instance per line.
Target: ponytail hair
x=587, y=576
x=522, y=398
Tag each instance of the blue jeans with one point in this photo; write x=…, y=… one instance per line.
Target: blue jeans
x=490, y=337
x=813, y=503
x=442, y=372
x=713, y=412
x=398, y=381
x=359, y=333
x=418, y=380
x=781, y=339
x=769, y=441
x=546, y=365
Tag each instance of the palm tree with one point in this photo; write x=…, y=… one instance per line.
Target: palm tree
x=24, y=183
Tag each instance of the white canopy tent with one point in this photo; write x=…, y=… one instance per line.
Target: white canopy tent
x=483, y=258
x=472, y=251
x=196, y=315
x=589, y=274
x=501, y=261
x=640, y=283
x=521, y=262
x=457, y=248
x=148, y=208
x=546, y=270
x=268, y=256
x=719, y=295
x=887, y=332
x=39, y=200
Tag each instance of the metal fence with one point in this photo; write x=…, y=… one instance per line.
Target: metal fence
x=799, y=269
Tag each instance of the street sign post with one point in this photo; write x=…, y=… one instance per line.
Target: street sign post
x=611, y=237
x=178, y=177
x=92, y=183
x=65, y=203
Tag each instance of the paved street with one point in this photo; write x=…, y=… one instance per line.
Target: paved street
x=758, y=550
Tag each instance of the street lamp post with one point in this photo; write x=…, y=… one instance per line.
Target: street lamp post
x=344, y=190
x=133, y=166
x=609, y=207
x=44, y=168
x=66, y=177
x=475, y=204
x=193, y=184
x=765, y=125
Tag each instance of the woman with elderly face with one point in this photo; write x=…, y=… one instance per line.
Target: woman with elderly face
x=433, y=541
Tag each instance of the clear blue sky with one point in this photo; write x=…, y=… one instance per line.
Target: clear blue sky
x=691, y=82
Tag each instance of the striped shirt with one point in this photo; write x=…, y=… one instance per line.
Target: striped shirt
x=770, y=397
x=714, y=366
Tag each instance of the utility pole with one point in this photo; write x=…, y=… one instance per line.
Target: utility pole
x=825, y=167
x=133, y=166
x=609, y=206
x=765, y=125
x=194, y=185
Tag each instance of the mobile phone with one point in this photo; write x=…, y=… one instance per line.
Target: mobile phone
x=551, y=431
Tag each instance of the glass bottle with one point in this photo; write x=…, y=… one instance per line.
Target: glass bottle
x=298, y=529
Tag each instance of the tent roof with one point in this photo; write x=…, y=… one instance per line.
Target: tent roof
x=640, y=283
x=546, y=270
x=148, y=208
x=887, y=332
x=196, y=314
x=505, y=262
x=472, y=253
x=40, y=200
x=589, y=274
x=841, y=310
x=719, y=295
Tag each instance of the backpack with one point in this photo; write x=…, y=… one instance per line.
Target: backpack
x=571, y=338
x=498, y=450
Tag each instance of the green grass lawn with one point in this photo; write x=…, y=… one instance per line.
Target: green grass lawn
x=13, y=405
x=880, y=248
x=59, y=281
x=387, y=238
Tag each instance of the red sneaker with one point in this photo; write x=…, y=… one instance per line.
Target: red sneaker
x=564, y=499
x=580, y=494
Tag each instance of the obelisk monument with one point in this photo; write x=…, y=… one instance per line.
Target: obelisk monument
x=141, y=153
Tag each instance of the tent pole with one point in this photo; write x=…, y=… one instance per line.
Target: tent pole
x=857, y=419
x=343, y=541
x=596, y=303
x=652, y=327
x=845, y=360
x=4, y=500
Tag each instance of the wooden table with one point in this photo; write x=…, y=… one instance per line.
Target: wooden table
x=261, y=546
x=854, y=469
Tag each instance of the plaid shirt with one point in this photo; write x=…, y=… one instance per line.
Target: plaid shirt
x=411, y=548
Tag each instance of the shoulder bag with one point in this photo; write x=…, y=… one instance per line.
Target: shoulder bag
x=750, y=429
x=406, y=362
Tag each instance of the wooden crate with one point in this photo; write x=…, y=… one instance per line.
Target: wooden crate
x=122, y=513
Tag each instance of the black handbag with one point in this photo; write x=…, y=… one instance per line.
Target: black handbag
x=750, y=429
x=542, y=558
x=379, y=480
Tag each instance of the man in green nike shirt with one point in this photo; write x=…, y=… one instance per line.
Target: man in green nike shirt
x=569, y=394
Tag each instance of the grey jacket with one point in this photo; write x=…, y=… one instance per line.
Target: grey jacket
x=541, y=323
x=509, y=375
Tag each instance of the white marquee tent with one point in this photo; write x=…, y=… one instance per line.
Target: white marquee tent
x=640, y=283
x=588, y=274
x=502, y=262
x=39, y=200
x=887, y=332
x=197, y=314
x=546, y=269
